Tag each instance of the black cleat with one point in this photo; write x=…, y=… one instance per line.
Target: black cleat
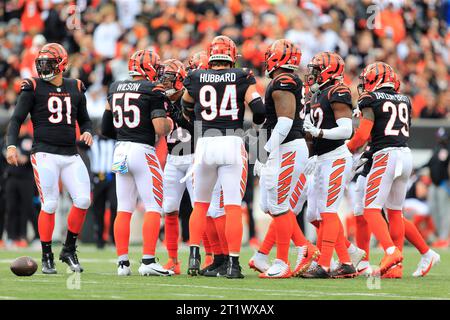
x=344, y=271
x=234, y=269
x=316, y=273
x=220, y=271
x=68, y=255
x=48, y=264
x=194, y=262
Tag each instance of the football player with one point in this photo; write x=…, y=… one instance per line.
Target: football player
x=330, y=123
x=134, y=115
x=55, y=104
x=287, y=151
x=218, y=97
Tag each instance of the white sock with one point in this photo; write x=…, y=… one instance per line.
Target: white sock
x=390, y=250
x=147, y=256
x=352, y=249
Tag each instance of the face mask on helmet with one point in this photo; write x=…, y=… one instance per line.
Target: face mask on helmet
x=168, y=80
x=312, y=78
x=47, y=69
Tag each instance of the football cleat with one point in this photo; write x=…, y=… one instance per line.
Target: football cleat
x=427, y=261
x=194, y=262
x=234, y=270
x=48, y=264
x=69, y=256
x=344, y=271
x=390, y=260
x=334, y=264
x=305, y=256
x=154, y=269
x=278, y=270
x=123, y=268
x=215, y=263
x=395, y=272
x=316, y=272
x=259, y=262
x=364, y=269
x=171, y=265
x=220, y=271
x=356, y=256
x=208, y=260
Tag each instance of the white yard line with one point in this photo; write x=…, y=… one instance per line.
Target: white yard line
x=8, y=298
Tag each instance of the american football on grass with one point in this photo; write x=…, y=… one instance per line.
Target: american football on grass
x=24, y=266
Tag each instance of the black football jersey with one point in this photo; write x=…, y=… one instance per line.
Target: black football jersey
x=181, y=140
x=392, y=118
x=134, y=103
x=54, y=113
x=322, y=114
x=286, y=82
x=219, y=97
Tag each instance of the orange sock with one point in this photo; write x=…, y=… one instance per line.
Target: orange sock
x=396, y=227
x=414, y=237
x=330, y=232
x=213, y=237
x=122, y=232
x=150, y=232
x=233, y=229
x=172, y=233
x=269, y=239
x=205, y=240
x=341, y=245
x=318, y=225
x=46, y=224
x=297, y=234
x=283, y=229
x=379, y=227
x=220, y=224
x=75, y=219
x=197, y=223
x=363, y=235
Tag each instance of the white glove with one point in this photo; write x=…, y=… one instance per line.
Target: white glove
x=309, y=127
x=310, y=166
x=257, y=168
x=356, y=113
x=358, y=166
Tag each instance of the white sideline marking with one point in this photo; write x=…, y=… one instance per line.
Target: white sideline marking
x=8, y=298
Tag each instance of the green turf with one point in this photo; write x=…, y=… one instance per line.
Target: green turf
x=99, y=281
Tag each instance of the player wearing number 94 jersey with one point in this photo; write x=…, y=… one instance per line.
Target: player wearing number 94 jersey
x=55, y=104
x=218, y=97
x=135, y=113
x=386, y=118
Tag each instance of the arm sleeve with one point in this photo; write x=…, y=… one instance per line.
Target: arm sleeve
x=108, y=129
x=23, y=108
x=342, y=131
x=361, y=135
x=258, y=109
x=84, y=121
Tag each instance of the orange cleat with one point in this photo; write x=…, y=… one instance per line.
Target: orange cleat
x=396, y=272
x=306, y=255
x=390, y=260
x=171, y=265
x=209, y=259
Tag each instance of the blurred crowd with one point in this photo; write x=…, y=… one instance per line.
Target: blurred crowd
x=99, y=35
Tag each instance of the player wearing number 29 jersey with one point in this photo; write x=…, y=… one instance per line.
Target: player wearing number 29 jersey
x=55, y=104
x=386, y=118
x=218, y=96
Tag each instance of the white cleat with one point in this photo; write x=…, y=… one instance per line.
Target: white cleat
x=123, y=270
x=279, y=269
x=154, y=269
x=259, y=262
x=427, y=261
x=356, y=255
x=364, y=269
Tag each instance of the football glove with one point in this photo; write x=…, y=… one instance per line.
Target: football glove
x=310, y=166
x=309, y=127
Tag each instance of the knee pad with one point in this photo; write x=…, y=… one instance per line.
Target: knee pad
x=82, y=202
x=49, y=206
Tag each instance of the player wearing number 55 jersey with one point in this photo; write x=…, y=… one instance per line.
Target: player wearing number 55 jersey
x=55, y=104
x=386, y=118
x=218, y=97
x=134, y=115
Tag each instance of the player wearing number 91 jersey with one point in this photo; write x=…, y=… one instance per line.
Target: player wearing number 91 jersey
x=55, y=104
x=135, y=114
x=386, y=118
x=218, y=96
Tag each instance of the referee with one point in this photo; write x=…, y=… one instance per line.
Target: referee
x=104, y=186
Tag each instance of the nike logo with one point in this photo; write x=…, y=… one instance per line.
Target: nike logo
x=341, y=94
x=162, y=272
x=283, y=84
x=273, y=274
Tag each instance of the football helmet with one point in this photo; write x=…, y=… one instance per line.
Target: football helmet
x=323, y=68
x=145, y=63
x=173, y=75
x=198, y=60
x=282, y=53
x=51, y=60
x=376, y=76
x=222, y=48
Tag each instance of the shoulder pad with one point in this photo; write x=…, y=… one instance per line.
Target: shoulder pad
x=365, y=100
x=28, y=85
x=285, y=81
x=340, y=93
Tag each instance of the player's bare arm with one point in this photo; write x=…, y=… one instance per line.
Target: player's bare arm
x=187, y=103
x=162, y=126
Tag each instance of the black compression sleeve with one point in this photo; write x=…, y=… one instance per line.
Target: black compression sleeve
x=23, y=108
x=108, y=129
x=84, y=121
x=258, y=109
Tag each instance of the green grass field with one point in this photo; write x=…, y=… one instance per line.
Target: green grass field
x=99, y=281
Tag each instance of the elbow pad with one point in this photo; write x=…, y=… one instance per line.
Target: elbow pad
x=344, y=130
x=279, y=133
x=258, y=109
